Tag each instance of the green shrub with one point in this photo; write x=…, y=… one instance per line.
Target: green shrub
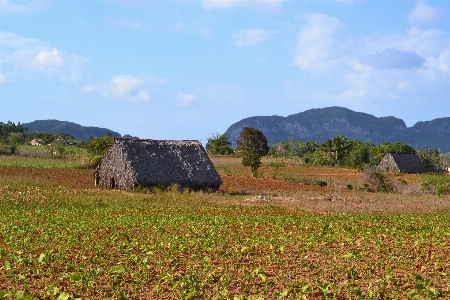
x=321, y=183
x=7, y=149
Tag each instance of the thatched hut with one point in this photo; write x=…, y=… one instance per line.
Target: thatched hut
x=132, y=162
x=402, y=162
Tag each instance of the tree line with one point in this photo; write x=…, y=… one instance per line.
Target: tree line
x=13, y=135
x=252, y=145
x=337, y=151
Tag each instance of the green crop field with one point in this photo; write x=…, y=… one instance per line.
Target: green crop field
x=265, y=238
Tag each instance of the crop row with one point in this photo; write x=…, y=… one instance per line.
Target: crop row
x=74, y=244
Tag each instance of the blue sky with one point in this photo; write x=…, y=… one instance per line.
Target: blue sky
x=184, y=69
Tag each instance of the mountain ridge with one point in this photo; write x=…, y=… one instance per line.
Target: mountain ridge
x=76, y=130
x=320, y=124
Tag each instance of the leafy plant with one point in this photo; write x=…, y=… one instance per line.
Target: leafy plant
x=252, y=145
x=218, y=144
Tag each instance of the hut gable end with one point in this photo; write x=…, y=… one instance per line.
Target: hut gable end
x=402, y=162
x=114, y=170
x=155, y=163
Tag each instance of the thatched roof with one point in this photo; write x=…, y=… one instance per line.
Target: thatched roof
x=132, y=162
x=402, y=162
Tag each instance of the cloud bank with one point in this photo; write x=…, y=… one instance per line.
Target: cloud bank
x=31, y=54
x=321, y=43
x=426, y=13
x=133, y=89
x=392, y=58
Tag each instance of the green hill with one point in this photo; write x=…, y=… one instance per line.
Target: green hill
x=321, y=124
x=77, y=131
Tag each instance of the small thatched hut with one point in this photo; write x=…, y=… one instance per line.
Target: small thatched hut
x=402, y=162
x=132, y=162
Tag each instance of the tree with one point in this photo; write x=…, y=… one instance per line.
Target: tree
x=292, y=148
x=16, y=138
x=338, y=147
x=431, y=158
x=398, y=147
x=252, y=145
x=99, y=146
x=300, y=148
x=280, y=149
x=7, y=129
x=358, y=155
x=218, y=144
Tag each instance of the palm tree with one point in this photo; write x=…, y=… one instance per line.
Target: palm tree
x=337, y=147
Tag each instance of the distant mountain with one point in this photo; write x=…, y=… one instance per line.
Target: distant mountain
x=321, y=124
x=77, y=131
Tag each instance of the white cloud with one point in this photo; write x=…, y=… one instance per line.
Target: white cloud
x=373, y=73
x=186, y=100
x=265, y=4
x=124, y=85
x=89, y=89
x=48, y=59
x=131, y=88
x=141, y=96
x=9, y=7
x=3, y=80
x=393, y=58
x=13, y=40
x=252, y=37
x=321, y=43
x=352, y=94
x=32, y=54
x=444, y=61
x=426, y=13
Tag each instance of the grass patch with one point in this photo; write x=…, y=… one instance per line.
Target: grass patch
x=24, y=161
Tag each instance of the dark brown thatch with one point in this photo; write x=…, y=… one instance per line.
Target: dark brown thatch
x=402, y=162
x=132, y=162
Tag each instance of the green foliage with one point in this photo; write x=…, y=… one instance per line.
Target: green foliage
x=431, y=158
x=435, y=183
x=340, y=151
x=280, y=149
x=337, y=147
x=12, y=133
x=16, y=138
x=46, y=137
x=361, y=154
x=357, y=155
x=7, y=149
x=322, y=183
x=319, y=158
x=25, y=161
x=99, y=146
x=60, y=243
x=218, y=144
x=293, y=148
x=398, y=147
x=252, y=145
